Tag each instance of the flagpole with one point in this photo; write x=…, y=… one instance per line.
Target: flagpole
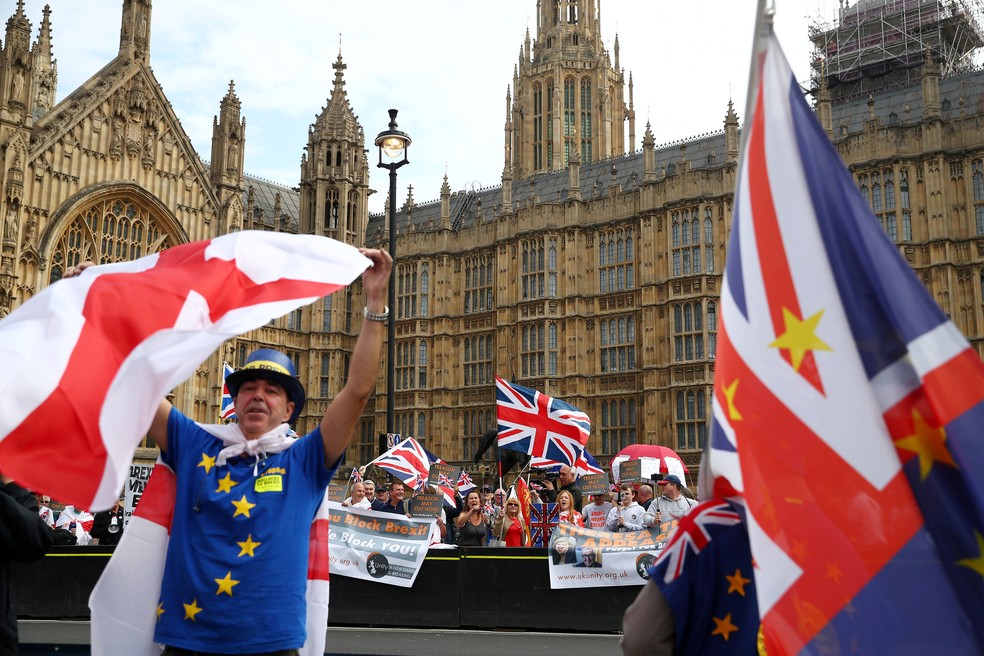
x=764, y=15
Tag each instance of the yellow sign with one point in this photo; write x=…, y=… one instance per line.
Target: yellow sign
x=269, y=484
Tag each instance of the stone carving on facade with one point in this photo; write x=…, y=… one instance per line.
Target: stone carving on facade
x=41, y=165
x=30, y=241
x=148, y=153
x=10, y=225
x=17, y=87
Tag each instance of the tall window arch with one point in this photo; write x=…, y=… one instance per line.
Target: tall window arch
x=586, y=126
x=570, y=116
x=112, y=229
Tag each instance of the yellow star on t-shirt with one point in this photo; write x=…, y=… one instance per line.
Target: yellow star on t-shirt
x=242, y=506
x=723, y=627
x=737, y=582
x=976, y=564
x=225, y=584
x=248, y=546
x=928, y=442
x=160, y=609
x=729, y=396
x=226, y=483
x=800, y=337
x=207, y=462
x=191, y=610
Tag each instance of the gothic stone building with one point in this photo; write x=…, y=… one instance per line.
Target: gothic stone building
x=591, y=273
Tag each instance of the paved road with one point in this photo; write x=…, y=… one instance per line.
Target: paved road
x=55, y=638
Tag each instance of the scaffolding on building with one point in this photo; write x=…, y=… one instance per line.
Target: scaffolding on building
x=881, y=44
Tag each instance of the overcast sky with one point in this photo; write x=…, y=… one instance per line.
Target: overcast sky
x=445, y=64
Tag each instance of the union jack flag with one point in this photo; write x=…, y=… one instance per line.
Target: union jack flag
x=356, y=476
x=544, y=518
x=833, y=363
x=539, y=425
x=227, y=410
x=585, y=464
x=465, y=483
x=445, y=486
x=408, y=461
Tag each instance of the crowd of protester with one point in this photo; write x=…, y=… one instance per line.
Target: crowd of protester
x=484, y=516
x=488, y=516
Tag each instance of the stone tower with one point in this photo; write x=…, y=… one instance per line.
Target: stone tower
x=334, y=170
x=228, y=142
x=568, y=95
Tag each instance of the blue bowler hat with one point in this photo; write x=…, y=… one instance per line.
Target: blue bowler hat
x=271, y=365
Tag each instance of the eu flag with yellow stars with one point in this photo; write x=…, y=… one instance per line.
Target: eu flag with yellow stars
x=848, y=407
x=705, y=575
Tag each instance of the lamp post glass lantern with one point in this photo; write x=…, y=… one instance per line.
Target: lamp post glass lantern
x=393, y=146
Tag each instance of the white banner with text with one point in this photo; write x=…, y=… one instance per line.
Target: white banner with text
x=376, y=546
x=585, y=557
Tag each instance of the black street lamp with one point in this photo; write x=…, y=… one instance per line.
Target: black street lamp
x=393, y=146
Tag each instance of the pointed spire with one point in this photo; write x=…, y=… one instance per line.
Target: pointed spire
x=731, y=134
x=42, y=47
x=18, y=36
x=731, y=118
x=339, y=67
x=649, y=154
x=231, y=99
x=135, y=30
x=45, y=71
x=446, y=204
x=228, y=142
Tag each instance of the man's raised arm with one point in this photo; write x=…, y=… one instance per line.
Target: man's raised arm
x=342, y=415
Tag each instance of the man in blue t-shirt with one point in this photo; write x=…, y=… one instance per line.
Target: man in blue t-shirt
x=395, y=503
x=235, y=575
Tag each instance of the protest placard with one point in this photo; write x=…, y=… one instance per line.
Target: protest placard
x=630, y=471
x=584, y=557
x=426, y=505
x=139, y=475
x=593, y=484
x=336, y=492
x=443, y=474
x=376, y=546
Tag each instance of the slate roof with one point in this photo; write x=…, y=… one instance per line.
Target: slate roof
x=265, y=199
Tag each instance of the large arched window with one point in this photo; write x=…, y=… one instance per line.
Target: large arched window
x=113, y=229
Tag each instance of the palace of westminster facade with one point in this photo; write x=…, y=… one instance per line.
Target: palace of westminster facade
x=591, y=274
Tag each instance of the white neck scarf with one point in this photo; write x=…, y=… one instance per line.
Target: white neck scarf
x=236, y=443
